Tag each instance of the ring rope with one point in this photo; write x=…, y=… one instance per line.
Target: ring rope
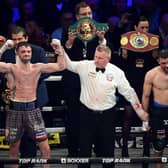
x=65, y=160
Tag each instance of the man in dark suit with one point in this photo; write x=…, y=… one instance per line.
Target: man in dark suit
x=136, y=64
x=77, y=50
x=18, y=34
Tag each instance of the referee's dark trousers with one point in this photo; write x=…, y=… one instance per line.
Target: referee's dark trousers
x=98, y=126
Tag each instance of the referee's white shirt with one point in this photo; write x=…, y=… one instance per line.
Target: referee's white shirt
x=98, y=89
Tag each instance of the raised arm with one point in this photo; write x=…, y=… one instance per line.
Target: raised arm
x=53, y=67
x=7, y=45
x=5, y=67
x=59, y=50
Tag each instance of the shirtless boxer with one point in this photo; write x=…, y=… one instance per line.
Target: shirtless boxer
x=24, y=114
x=156, y=84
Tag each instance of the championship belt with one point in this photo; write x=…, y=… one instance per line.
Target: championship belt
x=86, y=28
x=139, y=41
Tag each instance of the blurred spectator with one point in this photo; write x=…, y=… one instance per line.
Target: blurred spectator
x=113, y=22
x=27, y=11
x=67, y=19
x=36, y=35
x=9, y=13
x=11, y=10
x=127, y=22
x=163, y=4
x=113, y=36
x=48, y=15
x=152, y=12
x=63, y=5
x=121, y=5
x=163, y=30
x=138, y=7
x=96, y=8
x=9, y=29
x=28, y=20
x=113, y=33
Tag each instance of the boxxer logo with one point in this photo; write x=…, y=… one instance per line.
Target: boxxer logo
x=63, y=160
x=164, y=159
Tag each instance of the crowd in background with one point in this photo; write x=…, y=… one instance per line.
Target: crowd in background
x=42, y=18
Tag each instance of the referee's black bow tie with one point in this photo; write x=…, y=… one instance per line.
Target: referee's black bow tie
x=100, y=69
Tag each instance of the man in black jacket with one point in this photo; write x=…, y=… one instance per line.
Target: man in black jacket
x=77, y=49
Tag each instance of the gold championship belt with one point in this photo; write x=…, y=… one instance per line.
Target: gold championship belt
x=86, y=28
x=139, y=41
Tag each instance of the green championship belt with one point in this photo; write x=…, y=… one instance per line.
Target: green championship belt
x=86, y=28
x=139, y=41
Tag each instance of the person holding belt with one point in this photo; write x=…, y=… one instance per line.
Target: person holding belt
x=77, y=50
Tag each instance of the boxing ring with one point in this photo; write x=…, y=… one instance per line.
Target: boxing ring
x=96, y=160
x=65, y=161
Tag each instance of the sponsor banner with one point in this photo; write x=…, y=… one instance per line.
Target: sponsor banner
x=53, y=139
x=59, y=138
x=33, y=161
